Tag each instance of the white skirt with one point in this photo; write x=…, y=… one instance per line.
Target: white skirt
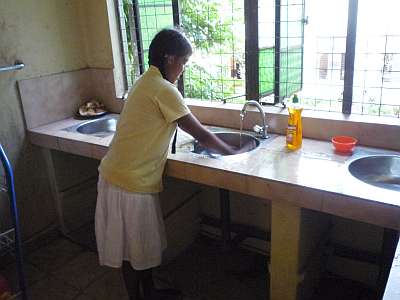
x=128, y=226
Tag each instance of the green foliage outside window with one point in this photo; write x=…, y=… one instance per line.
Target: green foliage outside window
x=209, y=76
x=204, y=26
x=211, y=33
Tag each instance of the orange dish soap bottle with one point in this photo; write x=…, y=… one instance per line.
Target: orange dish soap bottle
x=294, y=132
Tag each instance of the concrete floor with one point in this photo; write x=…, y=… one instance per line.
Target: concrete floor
x=65, y=270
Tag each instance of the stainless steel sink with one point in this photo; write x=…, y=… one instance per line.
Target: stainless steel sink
x=231, y=138
x=378, y=170
x=100, y=127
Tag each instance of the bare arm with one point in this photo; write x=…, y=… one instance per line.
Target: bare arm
x=191, y=125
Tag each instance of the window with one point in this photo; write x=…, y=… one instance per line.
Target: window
x=324, y=51
x=140, y=21
x=217, y=69
x=329, y=52
x=376, y=88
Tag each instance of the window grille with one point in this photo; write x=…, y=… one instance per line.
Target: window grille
x=129, y=42
x=140, y=21
x=217, y=68
x=329, y=52
x=322, y=62
x=376, y=89
x=266, y=46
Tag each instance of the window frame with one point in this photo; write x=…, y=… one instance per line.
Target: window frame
x=350, y=57
x=251, y=50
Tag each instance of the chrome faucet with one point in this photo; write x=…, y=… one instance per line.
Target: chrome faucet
x=261, y=130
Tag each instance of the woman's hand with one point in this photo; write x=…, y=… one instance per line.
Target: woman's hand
x=206, y=138
x=209, y=140
x=250, y=145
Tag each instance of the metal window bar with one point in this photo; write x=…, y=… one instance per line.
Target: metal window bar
x=349, y=59
x=304, y=21
x=252, y=51
x=129, y=50
x=134, y=20
x=177, y=23
x=382, y=78
x=123, y=39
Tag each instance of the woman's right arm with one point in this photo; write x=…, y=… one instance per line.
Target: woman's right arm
x=192, y=125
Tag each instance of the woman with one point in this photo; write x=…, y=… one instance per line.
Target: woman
x=129, y=224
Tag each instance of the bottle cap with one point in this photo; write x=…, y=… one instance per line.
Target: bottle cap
x=295, y=99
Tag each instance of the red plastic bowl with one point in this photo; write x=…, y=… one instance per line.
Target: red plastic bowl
x=343, y=143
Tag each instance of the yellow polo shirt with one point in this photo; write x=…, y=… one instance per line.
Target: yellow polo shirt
x=138, y=152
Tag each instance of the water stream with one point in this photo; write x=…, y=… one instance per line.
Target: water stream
x=241, y=129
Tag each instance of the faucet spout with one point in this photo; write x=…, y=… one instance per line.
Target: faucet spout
x=262, y=130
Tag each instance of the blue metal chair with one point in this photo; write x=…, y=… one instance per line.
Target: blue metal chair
x=15, y=218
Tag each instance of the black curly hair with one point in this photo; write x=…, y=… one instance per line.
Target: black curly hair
x=171, y=42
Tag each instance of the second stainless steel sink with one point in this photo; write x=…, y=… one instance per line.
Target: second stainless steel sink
x=378, y=170
x=100, y=127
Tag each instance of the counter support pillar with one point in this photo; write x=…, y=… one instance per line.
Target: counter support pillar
x=54, y=188
x=285, y=237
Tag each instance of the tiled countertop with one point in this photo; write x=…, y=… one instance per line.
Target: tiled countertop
x=313, y=177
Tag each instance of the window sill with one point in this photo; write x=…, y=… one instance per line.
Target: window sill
x=369, y=130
